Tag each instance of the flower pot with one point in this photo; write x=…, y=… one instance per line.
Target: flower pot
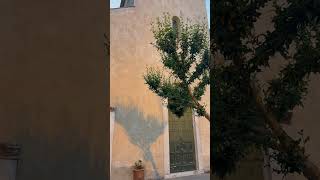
x=138, y=174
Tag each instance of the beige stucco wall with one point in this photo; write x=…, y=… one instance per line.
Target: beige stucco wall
x=139, y=134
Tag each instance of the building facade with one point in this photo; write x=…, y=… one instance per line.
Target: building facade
x=141, y=125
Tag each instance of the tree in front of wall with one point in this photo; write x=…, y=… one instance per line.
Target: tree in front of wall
x=184, y=51
x=244, y=114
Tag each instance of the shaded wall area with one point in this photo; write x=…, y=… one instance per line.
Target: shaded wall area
x=249, y=168
x=54, y=87
x=142, y=131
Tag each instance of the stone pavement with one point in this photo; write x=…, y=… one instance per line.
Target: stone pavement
x=195, y=177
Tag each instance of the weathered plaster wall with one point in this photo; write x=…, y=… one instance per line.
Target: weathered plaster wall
x=54, y=87
x=205, y=135
x=139, y=123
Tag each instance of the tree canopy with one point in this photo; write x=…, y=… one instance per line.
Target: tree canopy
x=245, y=115
x=184, y=50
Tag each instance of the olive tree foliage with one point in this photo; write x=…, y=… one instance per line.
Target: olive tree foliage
x=184, y=51
x=244, y=114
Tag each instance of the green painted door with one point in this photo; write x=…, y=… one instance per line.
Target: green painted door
x=181, y=143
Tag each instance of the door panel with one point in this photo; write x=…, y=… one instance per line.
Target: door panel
x=181, y=143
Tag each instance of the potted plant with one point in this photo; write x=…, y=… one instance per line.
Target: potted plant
x=138, y=170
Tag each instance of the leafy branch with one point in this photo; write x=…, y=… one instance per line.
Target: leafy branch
x=245, y=115
x=185, y=57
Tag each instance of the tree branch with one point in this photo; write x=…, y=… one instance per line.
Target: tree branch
x=197, y=104
x=311, y=171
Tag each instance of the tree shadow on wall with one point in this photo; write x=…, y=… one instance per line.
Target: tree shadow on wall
x=142, y=130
